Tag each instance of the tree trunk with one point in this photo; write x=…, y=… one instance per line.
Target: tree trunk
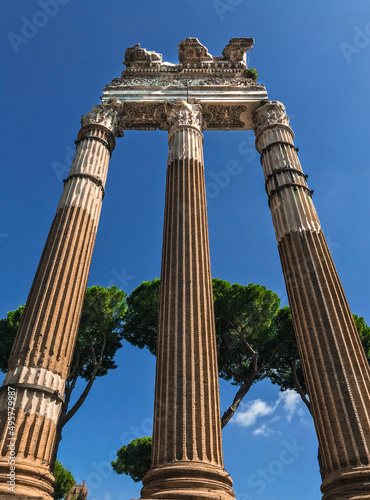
x=226, y=417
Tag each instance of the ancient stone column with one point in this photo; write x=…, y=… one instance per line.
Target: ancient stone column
x=43, y=348
x=187, y=459
x=336, y=370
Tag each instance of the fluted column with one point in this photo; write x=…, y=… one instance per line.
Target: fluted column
x=43, y=348
x=336, y=370
x=187, y=457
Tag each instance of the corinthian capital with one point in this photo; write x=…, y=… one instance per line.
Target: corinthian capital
x=180, y=113
x=269, y=114
x=109, y=115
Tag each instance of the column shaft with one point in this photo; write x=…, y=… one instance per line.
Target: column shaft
x=336, y=370
x=187, y=448
x=43, y=348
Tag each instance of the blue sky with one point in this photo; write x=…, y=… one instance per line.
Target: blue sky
x=314, y=57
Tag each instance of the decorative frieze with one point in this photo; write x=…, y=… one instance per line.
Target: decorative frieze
x=211, y=82
x=217, y=117
x=153, y=116
x=144, y=116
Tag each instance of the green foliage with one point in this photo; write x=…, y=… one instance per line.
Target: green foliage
x=8, y=329
x=134, y=459
x=244, y=318
x=99, y=337
x=102, y=315
x=287, y=358
x=101, y=321
x=64, y=481
x=141, y=320
x=252, y=73
x=288, y=362
x=255, y=339
x=364, y=332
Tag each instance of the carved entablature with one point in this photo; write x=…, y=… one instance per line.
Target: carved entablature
x=223, y=86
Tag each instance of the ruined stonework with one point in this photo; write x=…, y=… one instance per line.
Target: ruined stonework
x=78, y=492
x=223, y=86
x=199, y=93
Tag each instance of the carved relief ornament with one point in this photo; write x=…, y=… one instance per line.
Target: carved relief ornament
x=269, y=114
x=221, y=116
x=162, y=82
x=144, y=116
x=108, y=115
x=162, y=116
x=181, y=113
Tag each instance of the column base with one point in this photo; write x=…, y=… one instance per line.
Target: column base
x=186, y=480
x=349, y=484
x=33, y=481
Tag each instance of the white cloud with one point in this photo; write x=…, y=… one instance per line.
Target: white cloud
x=291, y=402
x=286, y=405
x=264, y=430
x=252, y=411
